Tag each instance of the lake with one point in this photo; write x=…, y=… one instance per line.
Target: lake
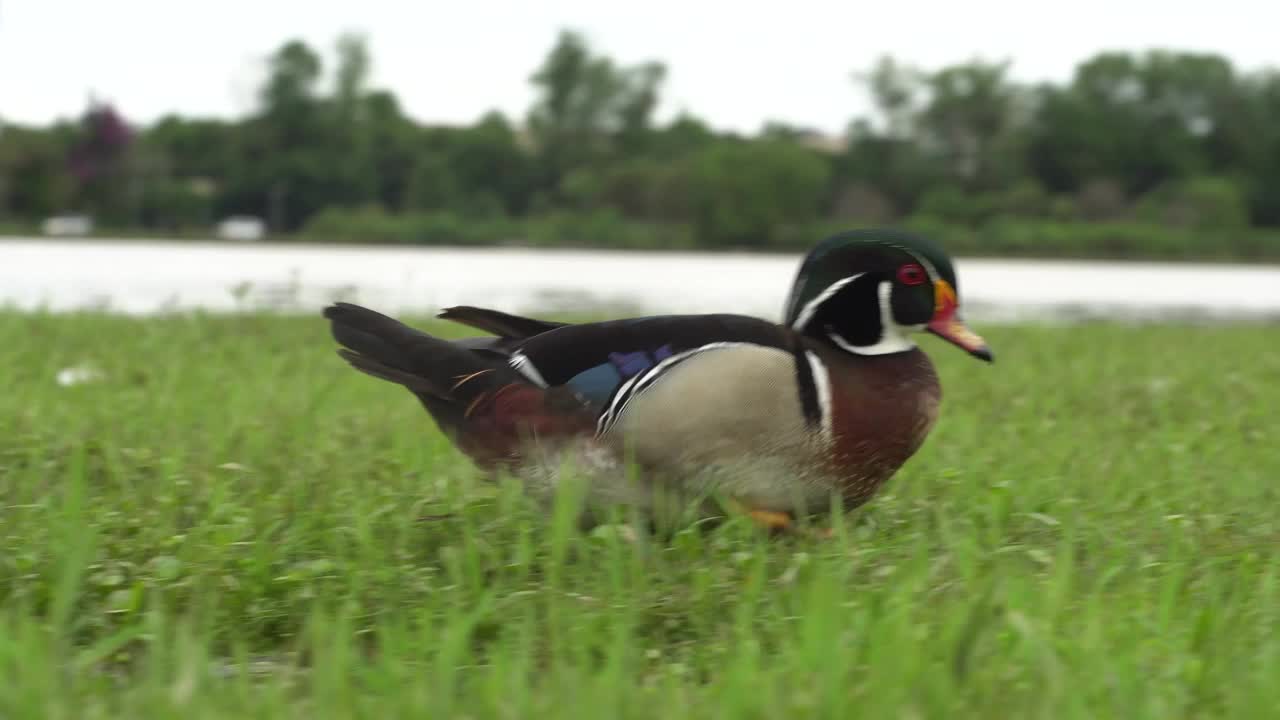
x=142, y=277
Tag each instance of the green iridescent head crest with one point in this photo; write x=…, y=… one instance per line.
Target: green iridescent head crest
x=858, y=252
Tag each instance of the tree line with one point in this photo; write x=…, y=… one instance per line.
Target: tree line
x=1161, y=153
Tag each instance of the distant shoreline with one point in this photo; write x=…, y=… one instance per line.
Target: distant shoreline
x=312, y=243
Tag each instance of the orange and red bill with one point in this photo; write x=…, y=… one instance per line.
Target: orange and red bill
x=946, y=323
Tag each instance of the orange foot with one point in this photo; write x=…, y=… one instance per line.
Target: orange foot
x=772, y=520
x=781, y=522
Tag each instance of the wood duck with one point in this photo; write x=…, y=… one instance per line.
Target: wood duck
x=675, y=413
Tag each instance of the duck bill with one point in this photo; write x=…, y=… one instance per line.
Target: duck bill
x=946, y=323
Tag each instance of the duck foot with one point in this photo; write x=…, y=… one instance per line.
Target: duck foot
x=772, y=520
x=778, y=523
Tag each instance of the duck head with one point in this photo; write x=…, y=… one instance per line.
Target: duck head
x=868, y=291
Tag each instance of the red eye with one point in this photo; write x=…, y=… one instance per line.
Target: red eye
x=912, y=274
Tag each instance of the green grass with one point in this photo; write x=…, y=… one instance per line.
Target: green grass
x=226, y=524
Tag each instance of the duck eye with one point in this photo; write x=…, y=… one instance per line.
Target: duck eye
x=911, y=274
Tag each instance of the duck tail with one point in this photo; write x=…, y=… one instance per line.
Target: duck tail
x=388, y=349
x=483, y=403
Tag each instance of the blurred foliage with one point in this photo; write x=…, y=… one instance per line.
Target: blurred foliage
x=1163, y=154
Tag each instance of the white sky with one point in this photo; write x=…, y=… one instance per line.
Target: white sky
x=733, y=63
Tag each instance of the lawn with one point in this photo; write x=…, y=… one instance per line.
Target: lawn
x=228, y=522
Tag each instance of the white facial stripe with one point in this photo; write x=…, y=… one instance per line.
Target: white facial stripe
x=821, y=383
x=811, y=307
x=929, y=268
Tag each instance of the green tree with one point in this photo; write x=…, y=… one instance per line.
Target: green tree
x=287, y=138
x=588, y=107
x=1246, y=143
x=101, y=164
x=432, y=184
x=896, y=91
x=35, y=181
x=391, y=140
x=884, y=153
x=637, y=100
x=653, y=186
x=491, y=167
x=479, y=170
x=292, y=159
x=746, y=193
x=351, y=78
x=1200, y=203
x=194, y=148
x=683, y=135
x=353, y=131
x=971, y=120
x=1142, y=119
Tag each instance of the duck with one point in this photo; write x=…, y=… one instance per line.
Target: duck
x=696, y=416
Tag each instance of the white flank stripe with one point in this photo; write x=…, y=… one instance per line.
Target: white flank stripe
x=822, y=383
x=644, y=380
x=623, y=393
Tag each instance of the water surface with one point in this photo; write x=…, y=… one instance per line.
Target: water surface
x=141, y=277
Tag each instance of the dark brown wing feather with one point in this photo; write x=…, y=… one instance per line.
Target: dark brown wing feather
x=498, y=323
x=473, y=394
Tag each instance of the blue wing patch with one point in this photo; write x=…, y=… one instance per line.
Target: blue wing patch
x=598, y=384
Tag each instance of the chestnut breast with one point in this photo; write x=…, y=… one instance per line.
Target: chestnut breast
x=883, y=407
